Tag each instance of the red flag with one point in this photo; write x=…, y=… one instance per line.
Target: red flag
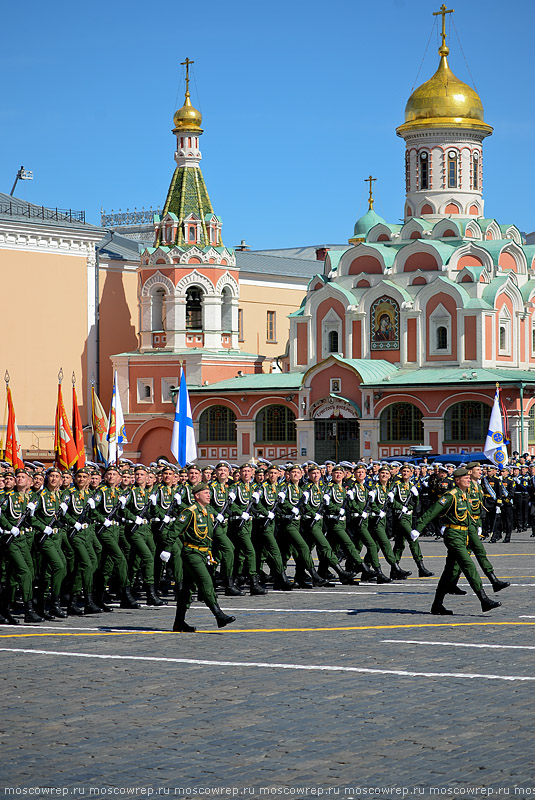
x=66, y=453
x=77, y=432
x=13, y=454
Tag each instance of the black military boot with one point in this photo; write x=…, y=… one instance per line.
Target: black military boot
x=255, y=588
x=282, y=582
x=486, y=603
x=30, y=615
x=152, y=597
x=398, y=574
x=381, y=577
x=367, y=573
x=40, y=608
x=73, y=609
x=317, y=580
x=8, y=616
x=438, y=607
x=422, y=571
x=56, y=608
x=222, y=618
x=346, y=578
x=231, y=590
x=180, y=625
x=497, y=584
x=98, y=599
x=454, y=589
x=127, y=598
x=90, y=606
x=301, y=580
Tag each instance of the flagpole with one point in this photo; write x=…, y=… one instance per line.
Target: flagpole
x=4, y=426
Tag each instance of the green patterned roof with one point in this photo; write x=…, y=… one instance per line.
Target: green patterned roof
x=188, y=195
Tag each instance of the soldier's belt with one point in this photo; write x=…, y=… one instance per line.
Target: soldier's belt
x=457, y=527
x=197, y=547
x=290, y=516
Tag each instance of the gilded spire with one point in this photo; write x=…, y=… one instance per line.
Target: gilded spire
x=369, y=180
x=187, y=118
x=443, y=49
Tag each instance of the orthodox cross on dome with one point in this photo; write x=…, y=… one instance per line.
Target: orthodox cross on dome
x=442, y=13
x=369, y=180
x=186, y=64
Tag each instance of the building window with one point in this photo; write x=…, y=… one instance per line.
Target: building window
x=240, y=325
x=271, y=327
x=442, y=338
x=531, y=427
x=192, y=233
x=452, y=169
x=167, y=385
x=333, y=341
x=145, y=390
x=217, y=424
x=226, y=311
x=158, y=309
x=504, y=333
x=424, y=171
x=466, y=422
x=194, y=297
x=401, y=422
x=275, y=424
x=475, y=172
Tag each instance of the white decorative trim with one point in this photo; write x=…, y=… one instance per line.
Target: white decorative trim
x=195, y=278
x=157, y=279
x=227, y=280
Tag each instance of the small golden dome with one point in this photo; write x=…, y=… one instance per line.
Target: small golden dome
x=187, y=118
x=444, y=102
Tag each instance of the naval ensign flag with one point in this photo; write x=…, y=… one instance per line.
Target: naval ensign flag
x=496, y=442
x=183, y=445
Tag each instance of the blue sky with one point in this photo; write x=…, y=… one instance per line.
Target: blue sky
x=300, y=102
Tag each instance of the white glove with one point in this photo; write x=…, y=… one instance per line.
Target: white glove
x=107, y=523
x=77, y=526
x=271, y=515
x=48, y=530
x=165, y=555
x=256, y=496
x=295, y=511
x=351, y=494
x=414, y=490
x=64, y=507
x=443, y=528
x=306, y=495
x=153, y=499
x=32, y=507
x=282, y=496
x=15, y=531
x=232, y=496
x=364, y=515
x=139, y=520
x=390, y=496
x=91, y=503
x=479, y=531
x=123, y=500
x=342, y=512
x=404, y=510
x=326, y=499
x=415, y=534
x=498, y=510
x=178, y=497
x=382, y=514
x=317, y=517
x=245, y=516
x=372, y=495
x=220, y=518
x=167, y=519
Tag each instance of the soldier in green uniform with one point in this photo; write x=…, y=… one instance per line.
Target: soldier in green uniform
x=377, y=523
x=18, y=558
x=138, y=509
x=359, y=504
x=168, y=546
x=402, y=498
x=52, y=564
x=81, y=539
x=454, y=509
x=195, y=526
x=263, y=533
x=222, y=494
x=240, y=527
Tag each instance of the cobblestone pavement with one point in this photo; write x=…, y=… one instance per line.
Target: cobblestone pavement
x=346, y=691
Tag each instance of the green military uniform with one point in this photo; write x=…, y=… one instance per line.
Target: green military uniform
x=18, y=557
x=263, y=534
x=240, y=530
x=82, y=543
x=165, y=533
x=52, y=564
x=359, y=502
x=402, y=499
x=289, y=532
x=221, y=495
x=312, y=532
x=335, y=520
x=141, y=501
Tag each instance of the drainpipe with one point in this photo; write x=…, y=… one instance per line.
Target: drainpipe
x=98, y=248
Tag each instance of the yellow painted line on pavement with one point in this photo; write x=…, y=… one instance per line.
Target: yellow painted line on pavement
x=279, y=630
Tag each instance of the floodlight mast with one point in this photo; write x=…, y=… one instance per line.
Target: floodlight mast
x=22, y=175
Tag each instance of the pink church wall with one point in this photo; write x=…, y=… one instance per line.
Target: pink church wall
x=368, y=264
x=449, y=304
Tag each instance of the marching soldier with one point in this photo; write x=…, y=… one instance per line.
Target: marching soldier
x=47, y=542
x=240, y=527
x=263, y=533
x=402, y=498
x=377, y=526
x=222, y=496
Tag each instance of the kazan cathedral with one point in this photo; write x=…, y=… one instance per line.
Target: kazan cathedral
x=401, y=336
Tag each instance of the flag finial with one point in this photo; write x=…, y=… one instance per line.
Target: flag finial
x=6, y=377
x=60, y=375
x=73, y=378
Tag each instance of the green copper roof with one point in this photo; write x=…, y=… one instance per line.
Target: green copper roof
x=371, y=371
x=260, y=381
x=490, y=291
x=365, y=223
x=188, y=195
x=456, y=376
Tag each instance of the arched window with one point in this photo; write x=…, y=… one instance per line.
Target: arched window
x=217, y=424
x=442, y=338
x=452, y=169
x=158, y=309
x=333, y=341
x=194, y=297
x=401, y=422
x=226, y=310
x=475, y=171
x=467, y=422
x=192, y=233
x=424, y=171
x=275, y=424
x=531, y=427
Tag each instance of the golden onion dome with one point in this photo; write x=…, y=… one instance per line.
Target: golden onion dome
x=444, y=102
x=187, y=118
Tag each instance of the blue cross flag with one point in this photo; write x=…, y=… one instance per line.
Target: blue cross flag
x=183, y=445
x=496, y=442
